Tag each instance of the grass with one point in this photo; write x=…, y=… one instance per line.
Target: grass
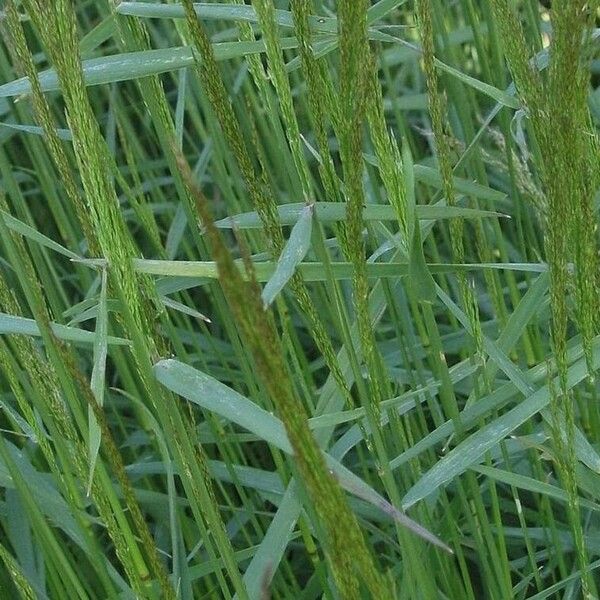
x=298, y=299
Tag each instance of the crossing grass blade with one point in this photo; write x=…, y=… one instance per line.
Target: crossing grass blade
x=475, y=446
x=135, y=65
x=201, y=389
x=11, y=324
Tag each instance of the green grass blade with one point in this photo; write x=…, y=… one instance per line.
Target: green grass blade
x=331, y=212
x=292, y=255
x=98, y=377
x=216, y=397
x=12, y=324
x=473, y=449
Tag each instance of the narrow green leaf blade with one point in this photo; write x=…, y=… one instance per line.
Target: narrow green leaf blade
x=35, y=236
x=331, y=212
x=98, y=378
x=294, y=252
x=313, y=271
x=11, y=324
x=134, y=65
x=473, y=449
x=212, y=395
x=532, y=485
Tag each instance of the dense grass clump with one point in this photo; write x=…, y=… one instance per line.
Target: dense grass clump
x=299, y=299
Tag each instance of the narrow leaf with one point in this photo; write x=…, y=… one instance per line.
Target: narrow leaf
x=294, y=252
x=63, y=134
x=212, y=395
x=11, y=324
x=133, y=65
x=29, y=232
x=330, y=212
x=98, y=378
x=312, y=271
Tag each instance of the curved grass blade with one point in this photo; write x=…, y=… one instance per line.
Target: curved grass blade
x=201, y=389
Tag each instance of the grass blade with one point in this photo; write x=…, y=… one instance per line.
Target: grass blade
x=293, y=253
x=98, y=377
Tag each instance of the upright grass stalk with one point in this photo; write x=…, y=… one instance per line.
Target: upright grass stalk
x=134, y=36
x=48, y=383
x=437, y=111
x=90, y=150
x=264, y=204
x=356, y=87
x=354, y=53
x=266, y=15
x=136, y=294
x=323, y=106
x=560, y=122
x=350, y=560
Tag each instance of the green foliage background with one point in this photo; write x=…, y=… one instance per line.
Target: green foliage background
x=299, y=299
